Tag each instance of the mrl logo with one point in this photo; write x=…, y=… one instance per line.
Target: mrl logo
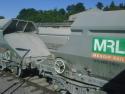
x=109, y=49
x=108, y=45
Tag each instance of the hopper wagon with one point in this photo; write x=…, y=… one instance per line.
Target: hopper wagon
x=92, y=61
x=20, y=47
x=54, y=37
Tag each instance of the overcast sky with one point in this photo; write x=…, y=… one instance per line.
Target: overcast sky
x=11, y=8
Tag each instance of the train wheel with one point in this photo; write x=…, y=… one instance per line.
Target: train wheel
x=19, y=72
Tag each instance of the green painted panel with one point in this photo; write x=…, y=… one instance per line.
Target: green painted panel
x=109, y=45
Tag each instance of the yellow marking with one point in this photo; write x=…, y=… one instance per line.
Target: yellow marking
x=108, y=57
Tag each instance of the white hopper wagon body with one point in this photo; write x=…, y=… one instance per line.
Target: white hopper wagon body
x=20, y=48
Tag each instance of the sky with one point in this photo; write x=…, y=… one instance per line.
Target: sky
x=11, y=8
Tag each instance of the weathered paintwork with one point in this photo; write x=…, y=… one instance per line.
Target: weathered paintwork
x=20, y=46
x=95, y=53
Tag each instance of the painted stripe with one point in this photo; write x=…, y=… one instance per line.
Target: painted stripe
x=108, y=57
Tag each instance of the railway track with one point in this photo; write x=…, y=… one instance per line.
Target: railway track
x=10, y=84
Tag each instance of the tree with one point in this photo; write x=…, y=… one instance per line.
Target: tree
x=70, y=9
x=113, y=6
x=106, y=8
x=99, y=5
x=124, y=6
x=62, y=11
x=73, y=9
x=79, y=7
x=28, y=14
x=2, y=17
x=43, y=16
x=121, y=6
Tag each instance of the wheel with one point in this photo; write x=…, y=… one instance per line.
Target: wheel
x=59, y=65
x=19, y=72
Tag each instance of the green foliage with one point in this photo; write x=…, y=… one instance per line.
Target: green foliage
x=60, y=15
x=55, y=15
x=73, y=9
x=99, y=5
x=106, y=8
x=113, y=6
x=43, y=16
x=2, y=17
